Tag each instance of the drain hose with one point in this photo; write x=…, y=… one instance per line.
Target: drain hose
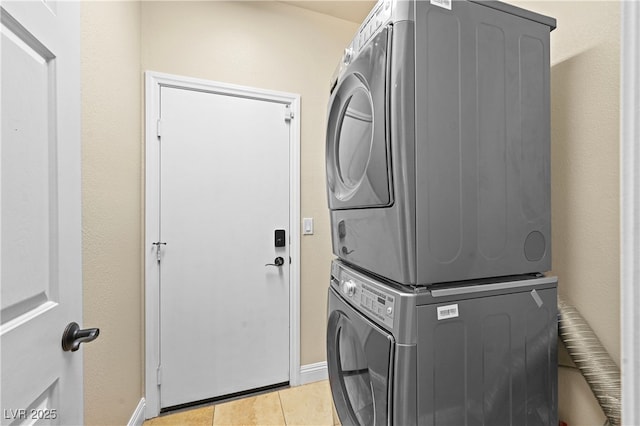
x=591, y=358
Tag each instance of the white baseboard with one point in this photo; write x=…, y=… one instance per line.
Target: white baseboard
x=137, y=418
x=313, y=372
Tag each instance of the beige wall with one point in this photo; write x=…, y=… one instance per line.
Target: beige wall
x=111, y=211
x=585, y=69
x=279, y=47
x=263, y=44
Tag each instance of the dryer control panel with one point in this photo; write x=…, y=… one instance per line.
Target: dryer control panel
x=379, y=16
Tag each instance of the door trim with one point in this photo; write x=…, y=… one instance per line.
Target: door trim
x=630, y=210
x=153, y=82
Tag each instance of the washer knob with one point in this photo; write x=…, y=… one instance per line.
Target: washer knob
x=348, y=288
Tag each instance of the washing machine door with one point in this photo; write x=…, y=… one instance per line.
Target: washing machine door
x=360, y=359
x=358, y=152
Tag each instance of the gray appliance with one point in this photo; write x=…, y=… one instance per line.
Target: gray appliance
x=437, y=149
x=453, y=355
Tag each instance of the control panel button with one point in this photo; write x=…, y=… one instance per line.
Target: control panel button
x=389, y=310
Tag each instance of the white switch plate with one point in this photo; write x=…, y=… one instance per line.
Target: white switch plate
x=307, y=226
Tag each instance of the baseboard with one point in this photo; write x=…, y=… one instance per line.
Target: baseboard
x=137, y=418
x=313, y=372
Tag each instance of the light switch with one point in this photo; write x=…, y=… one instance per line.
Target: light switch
x=307, y=226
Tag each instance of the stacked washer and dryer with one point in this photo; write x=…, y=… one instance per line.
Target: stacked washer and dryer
x=438, y=181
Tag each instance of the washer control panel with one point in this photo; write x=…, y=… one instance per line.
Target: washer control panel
x=371, y=299
x=377, y=303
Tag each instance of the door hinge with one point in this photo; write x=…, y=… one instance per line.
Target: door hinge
x=158, y=244
x=159, y=128
x=159, y=375
x=288, y=114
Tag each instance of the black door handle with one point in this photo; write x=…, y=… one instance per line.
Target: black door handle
x=278, y=261
x=73, y=336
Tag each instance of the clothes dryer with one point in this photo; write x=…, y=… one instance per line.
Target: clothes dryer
x=454, y=355
x=437, y=149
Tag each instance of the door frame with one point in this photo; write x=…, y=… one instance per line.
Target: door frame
x=153, y=83
x=630, y=209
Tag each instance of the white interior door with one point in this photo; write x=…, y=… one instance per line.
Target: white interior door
x=224, y=190
x=40, y=192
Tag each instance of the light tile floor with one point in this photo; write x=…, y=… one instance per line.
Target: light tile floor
x=302, y=405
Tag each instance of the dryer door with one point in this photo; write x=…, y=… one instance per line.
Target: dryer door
x=359, y=358
x=358, y=152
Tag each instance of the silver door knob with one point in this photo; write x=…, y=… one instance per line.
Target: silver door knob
x=73, y=336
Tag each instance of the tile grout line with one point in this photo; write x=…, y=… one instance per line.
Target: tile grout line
x=284, y=417
x=213, y=414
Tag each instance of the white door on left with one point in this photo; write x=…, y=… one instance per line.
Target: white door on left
x=40, y=263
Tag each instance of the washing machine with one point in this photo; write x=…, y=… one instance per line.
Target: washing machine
x=438, y=142
x=459, y=354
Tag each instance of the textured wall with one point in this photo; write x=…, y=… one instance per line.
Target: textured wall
x=112, y=211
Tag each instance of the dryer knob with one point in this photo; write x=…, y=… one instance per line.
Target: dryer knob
x=348, y=55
